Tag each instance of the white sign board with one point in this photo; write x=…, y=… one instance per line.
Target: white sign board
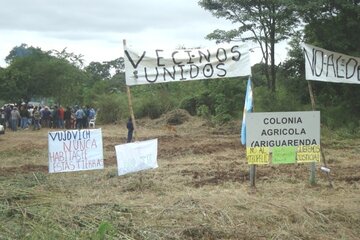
x=280, y=129
x=327, y=66
x=146, y=66
x=137, y=156
x=75, y=150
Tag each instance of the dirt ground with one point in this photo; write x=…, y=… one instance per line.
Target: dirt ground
x=201, y=189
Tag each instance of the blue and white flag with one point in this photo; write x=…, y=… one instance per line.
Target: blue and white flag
x=248, y=107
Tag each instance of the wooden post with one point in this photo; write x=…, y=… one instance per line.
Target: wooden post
x=313, y=165
x=132, y=118
x=252, y=166
x=130, y=104
x=252, y=175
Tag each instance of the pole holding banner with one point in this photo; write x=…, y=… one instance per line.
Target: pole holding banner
x=313, y=166
x=130, y=103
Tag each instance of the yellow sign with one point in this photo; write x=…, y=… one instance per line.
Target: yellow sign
x=258, y=155
x=309, y=153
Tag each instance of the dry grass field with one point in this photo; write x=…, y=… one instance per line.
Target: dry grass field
x=201, y=190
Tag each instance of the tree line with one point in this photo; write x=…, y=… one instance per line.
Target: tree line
x=331, y=24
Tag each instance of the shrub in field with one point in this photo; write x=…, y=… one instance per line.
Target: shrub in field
x=111, y=108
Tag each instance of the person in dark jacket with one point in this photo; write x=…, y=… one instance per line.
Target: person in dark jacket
x=67, y=118
x=130, y=127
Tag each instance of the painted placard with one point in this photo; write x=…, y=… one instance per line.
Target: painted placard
x=258, y=155
x=283, y=155
x=75, y=150
x=307, y=154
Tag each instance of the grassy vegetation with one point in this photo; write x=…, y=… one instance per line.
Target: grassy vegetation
x=200, y=190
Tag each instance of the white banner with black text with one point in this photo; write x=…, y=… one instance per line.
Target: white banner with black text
x=147, y=66
x=327, y=66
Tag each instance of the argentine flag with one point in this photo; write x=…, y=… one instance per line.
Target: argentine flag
x=248, y=107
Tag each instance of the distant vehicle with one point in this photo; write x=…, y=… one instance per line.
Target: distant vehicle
x=2, y=129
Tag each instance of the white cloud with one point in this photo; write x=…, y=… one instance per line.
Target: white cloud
x=96, y=29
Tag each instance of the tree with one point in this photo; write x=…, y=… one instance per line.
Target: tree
x=265, y=22
x=72, y=58
x=334, y=25
x=22, y=51
x=38, y=74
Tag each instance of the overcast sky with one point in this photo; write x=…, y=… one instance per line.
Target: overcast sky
x=96, y=29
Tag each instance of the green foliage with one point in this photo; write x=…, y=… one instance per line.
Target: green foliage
x=329, y=24
x=263, y=22
x=104, y=229
x=190, y=104
x=148, y=107
x=111, y=107
x=153, y=103
x=203, y=111
x=38, y=74
x=339, y=117
x=202, y=100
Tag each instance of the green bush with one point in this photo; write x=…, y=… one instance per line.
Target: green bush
x=190, y=105
x=203, y=111
x=111, y=108
x=148, y=108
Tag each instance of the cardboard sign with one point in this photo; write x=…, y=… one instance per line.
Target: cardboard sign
x=137, y=156
x=75, y=150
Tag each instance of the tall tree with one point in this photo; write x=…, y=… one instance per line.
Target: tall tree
x=334, y=25
x=265, y=22
x=39, y=74
x=74, y=59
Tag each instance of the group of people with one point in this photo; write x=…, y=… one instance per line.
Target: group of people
x=27, y=116
x=37, y=117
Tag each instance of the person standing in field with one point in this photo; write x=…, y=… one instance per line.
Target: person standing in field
x=61, y=117
x=67, y=118
x=37, y=116
x=24, y=115
x=15, y=116
x=130, y=127
x=79, y=118
x=45, y=117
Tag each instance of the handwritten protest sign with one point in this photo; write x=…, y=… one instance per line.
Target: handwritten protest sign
x=75, y=150
x=148, y=66
x=281, y=155
x=309, y=153
x=258, y=155
x=327, y=66
x=137, y=156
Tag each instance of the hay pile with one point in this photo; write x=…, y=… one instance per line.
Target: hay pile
x=175, y=117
